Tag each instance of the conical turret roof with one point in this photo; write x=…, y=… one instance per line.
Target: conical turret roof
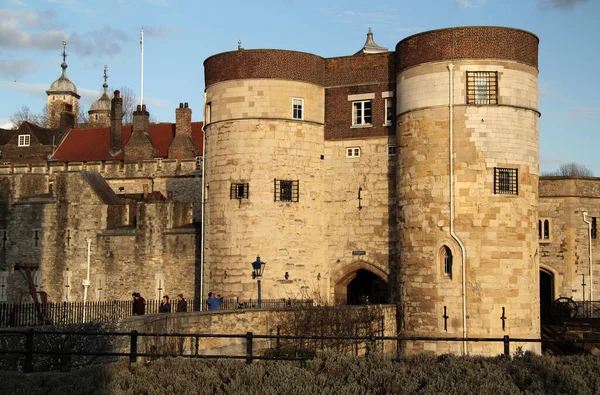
x=371, y=46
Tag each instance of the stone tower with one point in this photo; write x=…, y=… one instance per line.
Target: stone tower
x=99, y=112
x=264, y=138
x=62, y=96
x=467, y=190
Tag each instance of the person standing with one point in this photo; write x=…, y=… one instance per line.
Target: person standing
x=212, y=302
x=133, y=303
x=165, y=305
x=140, y=304
x=181, y=304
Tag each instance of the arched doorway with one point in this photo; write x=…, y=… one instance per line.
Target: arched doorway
x=367, y=288
x=546, y=294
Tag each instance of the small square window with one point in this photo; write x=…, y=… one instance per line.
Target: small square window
x=389, y=113
x=286, y=190
x=361, y=113
x=24, y=140
x=297, y=108
x=352, y=152
x=506, y=181
x=391, y=150
x=239, y=191
x=482, y=87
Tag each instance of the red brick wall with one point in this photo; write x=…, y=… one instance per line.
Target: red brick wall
x=264, y=63
x=477, y=42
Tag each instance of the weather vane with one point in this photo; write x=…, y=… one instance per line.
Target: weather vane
x=105, y=76
x=239, y=44
x=64, y=52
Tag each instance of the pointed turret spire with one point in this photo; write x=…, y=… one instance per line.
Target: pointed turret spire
x=99, y=112
x=371, y=46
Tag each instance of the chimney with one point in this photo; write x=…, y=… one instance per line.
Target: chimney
x=183, y=120
x=141, y=120
x=183, y=146
x=67, y=120
x=116, y=123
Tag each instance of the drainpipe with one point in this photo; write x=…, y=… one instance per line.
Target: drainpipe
x=86, y=281
x=454, y=236
x=203, y=206
x=589, y=224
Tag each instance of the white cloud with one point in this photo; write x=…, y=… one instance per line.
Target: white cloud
x=32, y=88
x=15, y=69
x=5, y=123
x=560, y=4
x=469, y=3
x=582, y=113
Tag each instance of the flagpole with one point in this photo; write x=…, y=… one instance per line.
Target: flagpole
x=142, y=71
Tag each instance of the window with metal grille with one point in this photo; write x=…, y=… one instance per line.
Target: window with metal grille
x=239, y=191
x=594, y=228
x=506, y=181
x=482, y=87
x=286, y=190
x=297, y=108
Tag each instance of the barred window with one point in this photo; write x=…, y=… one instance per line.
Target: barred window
x=594, y=228
x=482, y=87
x=239, y=191
x=286, y=190
x=506, y=181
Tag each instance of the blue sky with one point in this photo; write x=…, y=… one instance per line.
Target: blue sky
x=179, y=35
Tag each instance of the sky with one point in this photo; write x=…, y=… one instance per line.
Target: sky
x=179, y=35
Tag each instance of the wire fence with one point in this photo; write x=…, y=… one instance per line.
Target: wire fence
x=28, y=347
x=39, y=314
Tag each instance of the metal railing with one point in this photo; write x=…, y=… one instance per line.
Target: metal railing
x=62, y=313
x=29, y=350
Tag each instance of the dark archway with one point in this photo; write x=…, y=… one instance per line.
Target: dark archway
x=367, y=288
x=546, y=294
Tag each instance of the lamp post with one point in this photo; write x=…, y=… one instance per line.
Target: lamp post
x=258, y=267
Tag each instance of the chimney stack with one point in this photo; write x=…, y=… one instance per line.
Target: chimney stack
x=140, y=147
x=183, y=120
x=67, y=120
x=141, y=120
x=116, y=123
x=183, y=146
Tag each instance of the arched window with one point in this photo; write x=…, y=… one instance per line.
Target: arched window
x=546, y=229
x=539, y=229
x=447, y=255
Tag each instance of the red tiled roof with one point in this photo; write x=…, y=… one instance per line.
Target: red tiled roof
x=93, y=144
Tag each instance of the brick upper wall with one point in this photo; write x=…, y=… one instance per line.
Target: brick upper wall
x=360, y=69
x=477, y=42
x=264, y=63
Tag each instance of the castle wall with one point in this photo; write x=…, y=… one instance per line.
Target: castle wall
x=565, y=253
x=497, y=230
x=49, y=233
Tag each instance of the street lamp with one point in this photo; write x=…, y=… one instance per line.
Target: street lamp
x=258, y=267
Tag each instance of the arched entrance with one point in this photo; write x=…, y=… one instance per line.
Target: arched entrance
x=367, y=288
x=546, y=294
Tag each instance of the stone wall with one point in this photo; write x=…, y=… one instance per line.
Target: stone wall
x=260, y=322
x=136, y=246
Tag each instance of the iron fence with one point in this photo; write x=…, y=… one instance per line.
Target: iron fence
x=62, y=313
x=29, y=351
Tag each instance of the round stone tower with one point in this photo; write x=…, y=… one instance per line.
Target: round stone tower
x=264, y=147
x=467, y=189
